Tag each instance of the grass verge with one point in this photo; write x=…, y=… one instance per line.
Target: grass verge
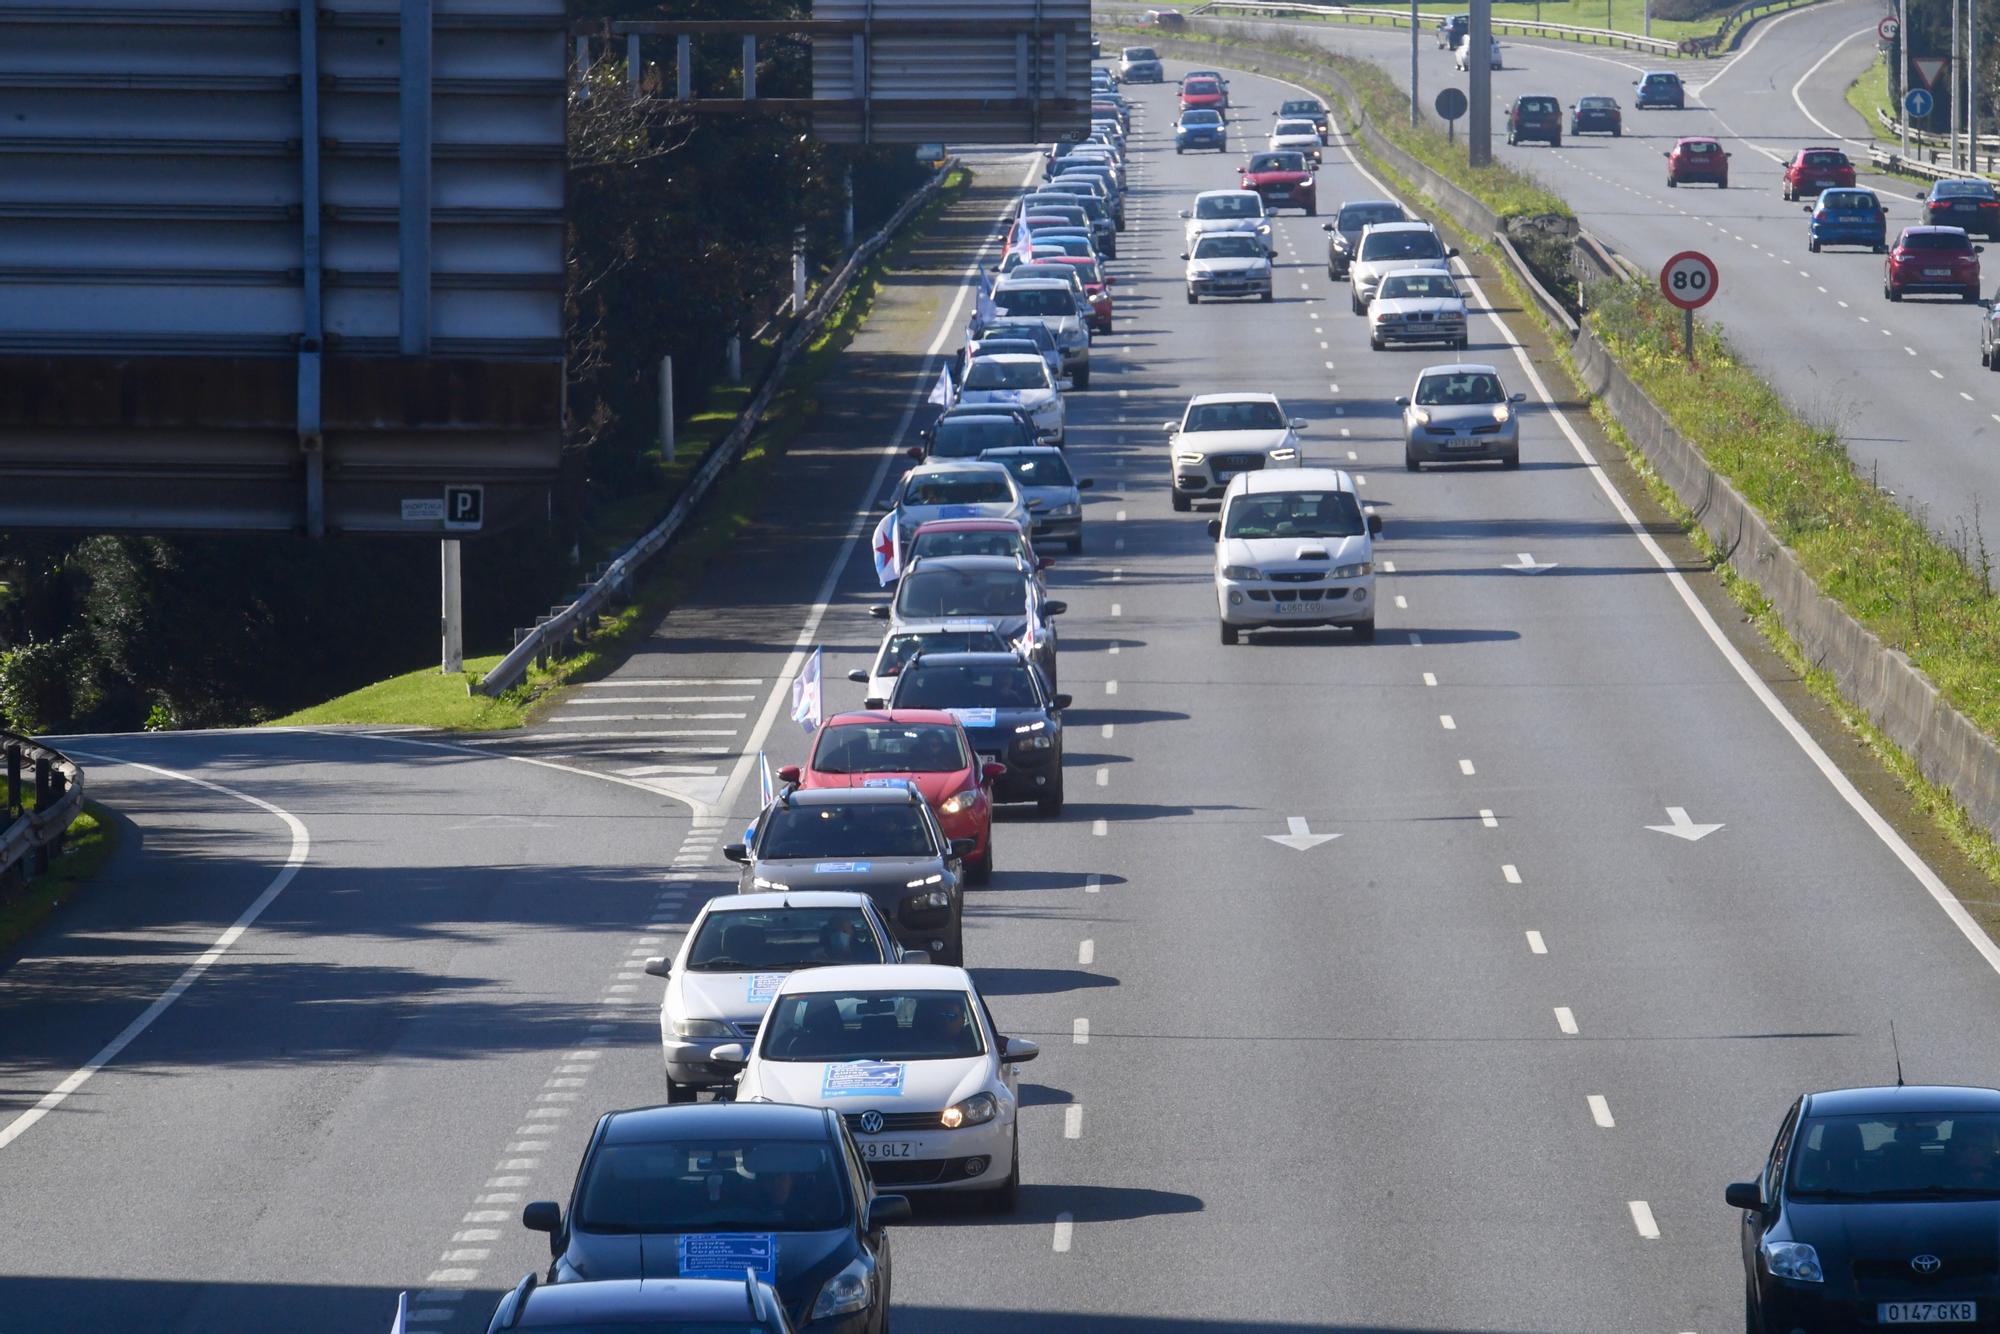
x=1870, y=94
x=427, y=698
x=92, y=837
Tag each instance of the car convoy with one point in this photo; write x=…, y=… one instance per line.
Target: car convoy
x=854, y=1062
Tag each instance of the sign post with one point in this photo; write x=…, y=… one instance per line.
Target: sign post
x=1450, y=105
x=1689, y=280
x=1917, y=104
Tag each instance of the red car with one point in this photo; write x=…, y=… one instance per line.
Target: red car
x=1932, y=259
x=1283, y=178
x=922, y=746
x=1698, y=160
x=1812, y=170
x=1096, y=286
x=1204, y=93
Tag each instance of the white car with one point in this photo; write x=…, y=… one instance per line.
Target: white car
x=1222, y=435
x=1390, y=247
x=1054, y=304
x=1229, y=264
x=960, y=634
x=912, y=1060
x=729, y=966
x=1016, y=380
x=1300, y=135
x=956, y=489
x=1294, y=548
x=1417, y=306
x=1463, y=56
x=1226, y=211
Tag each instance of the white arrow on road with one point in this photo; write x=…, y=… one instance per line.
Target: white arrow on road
x=1526, y=565
x=1301, y=838
x=1682, y=827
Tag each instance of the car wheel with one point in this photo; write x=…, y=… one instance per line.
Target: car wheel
x=953, y=953
x=1462, y=344
x=1881, y=247
x=1193, y=300
x=1354, y=304
x=1992, y=362
x=1082, y=377
x=1375, y=344
x=1971, y=294
x=1076, y=545
x=678, y=1093
x=1364, y=631
x=1556, y=142
x=1511, y=461
x=1812, y=245
x=1332, y=276
x=1182, y=504
x=1051, y=803
x=1410, y=463
x=1229, y=632
x=980, y=870
x=1312, y=210
x=1178, y=150
x=1265, y=295
x=1722, y=184
x=1753, y=1323
x=1891, y=293
x=1671, y=183
x=1617, y=132
x=1784, y=194
x=1008, y=1198
x=1510, y=138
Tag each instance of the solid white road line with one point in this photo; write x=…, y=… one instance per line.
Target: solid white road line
x=1536, y=944
x=1565, y=1020
x=1600, y=1110
x=1642, y=1218
x=1800, y=103
x=296, y=858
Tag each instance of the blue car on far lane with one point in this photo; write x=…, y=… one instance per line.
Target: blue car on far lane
x=1200, y=128
x=1847, y=217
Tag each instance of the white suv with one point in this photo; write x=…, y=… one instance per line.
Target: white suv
x=1294, y=548
x=1386, y=247
x=1220, y=436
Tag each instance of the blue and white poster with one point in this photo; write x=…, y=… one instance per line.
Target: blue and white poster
x=728, y=1254
x=975, y=717
x=761, y=987
x=862, y=1079
x=841, y=868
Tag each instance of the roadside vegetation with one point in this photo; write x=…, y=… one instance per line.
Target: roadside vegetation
x=26, y=904
x=1869, y=94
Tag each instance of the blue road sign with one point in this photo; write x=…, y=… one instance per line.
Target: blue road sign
x=1918, y=103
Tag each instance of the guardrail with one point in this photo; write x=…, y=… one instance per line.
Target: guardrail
x=1933, y=143
x=566, y=626
x=1892, y=159
x=33, y=832
x=1372, y=13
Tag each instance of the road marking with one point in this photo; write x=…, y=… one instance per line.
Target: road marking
x=597, y=701
x=1073, y=1121
x=1065, y=1226
x=1092, y=884
x=1642, y=1218
x=1401, y=603
x=1823, y=291
x=1360, y=479
x=1525, y=563
x=1600, y=1110
x=1086, y=951
x=1445, y=720
x=1299, y=836
x=1680, y=826
x=1565, y=1020
x=1862, y=318
x=296, y=858
x=1967, y=397
x=1488, y=819
x=1079, y=1032
x=1799, y=102
x=1106, y=730
x=1465, y=767
x=1535, y=945
x=1103, y=777
x=1510, y=874
x=1110, y=687
x=1117, y=609
x=1939, y=375
x=675, y=683
x=1099, y=828
x=1430, y=678
x=1912, y=351
x=1843, y=304
x=1121, y=516
x=1416, y=639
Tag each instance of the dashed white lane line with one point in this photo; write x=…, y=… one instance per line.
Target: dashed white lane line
x=1937, y=374
x=1600, y=1110
x=1121, y=516
x=1967, y=397
x=1642, y=1218
x=1843, y=304
x=1388, y=566
x=1447, y=722
x=1416, y=640
x=1565, y=1020
x=1510, y=874
x=1489, y=819
x=1862, y=318
x=1073, y=1121
x=1430, y=678
x=1103, y=777
x=1079, y=1032
x=1401, y=603
x=1913, y=352
x=1065, y=1228
x=1110, y=687
x=1086, y=951
x=1100, y=828
x=1536, y=944
x=1465, y=767
x=1107, y=730
x=1117, y=609
x=1352, y=457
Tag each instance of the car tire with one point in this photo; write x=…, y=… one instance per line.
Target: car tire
x=1230, y=634
x=1992, y=362
x=1891, y=293
x=1511, y=462
x=1881, y=247
x=1722, y=184
x=1364, y=631
x=1374, y=344
x=1510, y=138
x=1971, y=294
x=1556, y=142
x=1181, y=503
x=1410, y=463
x=1462, y=344
x=1193, y=300
x=678, y=1093
x=1178, y=150
x=1354, y=304
x=1312, y=210
x=1672, y=183
x=1265, y=295
x=979, y=870
x=1753, y=1323
x=1051, y=803
x=954, y=950
x=1007, y=1198
x=1082, y=378
x=1617, y=132
x=1076, y=545
x=1812, y=245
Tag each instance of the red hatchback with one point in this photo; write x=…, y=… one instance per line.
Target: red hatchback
x=1698, y=160
x=1812, y=170
x=1203, y=93
x=1932, y=259
x=1096, y=286
x=927, y=747
x=1283, y=178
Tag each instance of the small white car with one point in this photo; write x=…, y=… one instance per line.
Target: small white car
x=1229, y=264
x=910, y=1057
x=1294, y=548
x=734, y=956
x=961, y=634
x=1463, y=56
x=1390, y=247
x=956, y=489
x=1299, y=135
x=1417, y=306
x=1222, y=435
x=1226, y=211
x=1016, y=380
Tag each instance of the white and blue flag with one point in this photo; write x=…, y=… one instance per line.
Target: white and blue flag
x=806, y=696
x=766, y=789
x=943, y=391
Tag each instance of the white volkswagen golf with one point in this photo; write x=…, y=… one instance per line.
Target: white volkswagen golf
x=911, y=1058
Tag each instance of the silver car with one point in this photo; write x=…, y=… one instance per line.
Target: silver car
x=1417, y=306
x=1459, y=413
x=1140, y=64
x=1053, y=302
x=1389, y=246
x=1054, y=494
x=1229, y=264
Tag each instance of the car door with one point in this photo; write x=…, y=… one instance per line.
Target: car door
x=1756, y=1223
x=863, y=1189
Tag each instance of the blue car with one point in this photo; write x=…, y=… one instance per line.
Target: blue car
x=1847, y=217
x=1200, y=128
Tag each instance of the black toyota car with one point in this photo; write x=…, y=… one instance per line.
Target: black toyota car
x=718, y=1189
x=1008, y=711
x=1876, y=1207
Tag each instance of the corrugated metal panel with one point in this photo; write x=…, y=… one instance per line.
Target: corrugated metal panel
x=1022, y=75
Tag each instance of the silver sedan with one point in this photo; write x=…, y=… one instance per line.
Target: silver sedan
x=1459, y=413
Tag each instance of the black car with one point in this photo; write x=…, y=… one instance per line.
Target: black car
x=1344, y=232
x=1305, y=108
x=999, y=589
x=712, y=1190
x=1007, y=708
x=641, y=1305
x=1659, y=88
x=1535, y=116
x=884, y=842
x=1973, y=205
x=1596, y=115
x=1877, y=1206
x=962, y=432
x=1452, y=29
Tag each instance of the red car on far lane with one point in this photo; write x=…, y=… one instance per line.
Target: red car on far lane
x=1812, y=170
x=927, y=747
x=1697, y=159
x=1096, y=286
x=1283, y=178
x=1203, y=93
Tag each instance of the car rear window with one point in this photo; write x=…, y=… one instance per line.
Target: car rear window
x=844, y=831
x=1699, y=150
x=1962, y=190
x=960, y=486
x=1038, y=301
x=1356, y=216
x=1597, y=104
x=780, y=939
x=1006, y=685
x=1826, y=159
x=1538, y=104
x=1201, y=86
x=932, y=594
x=1228, y=206
x=901, y=648
x=986, y=373
x=1037, y=469
x=978, y=542
x=1140, y=53
x=1936, y=241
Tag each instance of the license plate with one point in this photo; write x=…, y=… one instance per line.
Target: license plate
x=989, y=759
x=879, y=1150
x=1295, y=608
x=1927, y=1313
x=1224, y=476
x=1462, y=444
x=1937, y=273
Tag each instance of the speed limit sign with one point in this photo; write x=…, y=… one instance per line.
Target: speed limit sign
x=1689, y=279
x=1888, y=28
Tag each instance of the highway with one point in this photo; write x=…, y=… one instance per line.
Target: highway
x=1483, y=1062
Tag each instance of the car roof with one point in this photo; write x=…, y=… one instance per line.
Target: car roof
x=930, y=467
x=644, y=1125
x=987, y=525
x=798, y=898
x=1458, y=368
x=847, y=796
x=636, y=1301
x=1694, y=139
x=859, y=716
x=976, y=658
x=944, y=624
x=1015, y=358
x=886, y=976
x=1217, y=194
x=1426, y=271
x=1404, y=226
x=1030, y=285
x=972, y=564
x=1266, y=481
x=1930, y=229
x=1823, y=148
x=1200, y=399
x=1903, y=1099
x=1016, y=451
x=1346, y=204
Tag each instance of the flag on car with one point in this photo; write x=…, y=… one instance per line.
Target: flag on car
x=1023, y=238
x=766, y=789
x=984, y=312
x=942, y=391
x=1026, y=643
x=888, y=550
x=805, y=695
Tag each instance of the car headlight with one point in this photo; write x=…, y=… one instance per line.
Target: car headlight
x=1502, y=413
x=701, y=1028
x=921, y=882
x=1423, y=416
x=846, y=1292
x=1263, y=227
x=960, y=801
x=1039, y=725
x=976, y=1110
x=1353, y=571
x=1242, y=572
x=1284, y=454
x=1040, y=741
x=1307, y=183
x=1793, y=1259
x=1065, y=512
x=1189, y=458
x=775, y=886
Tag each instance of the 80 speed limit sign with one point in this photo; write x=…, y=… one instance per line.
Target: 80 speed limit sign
x=1689, y=279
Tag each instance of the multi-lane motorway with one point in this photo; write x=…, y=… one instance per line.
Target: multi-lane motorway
x=1480, y=1063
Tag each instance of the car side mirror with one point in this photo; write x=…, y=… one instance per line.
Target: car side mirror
x=1402, y=402
x=1298, y=423
x=736, y=852
x=1045, y=562
x=789, y=774
x=544, y=1216
x=1186, y=214
x=1517, y=398
x=1020, y=1050
x=880, y=611
x=1060, y=702
x=962, y=847
x=660, y=966
x=1744, y=1195
x=912, y=956
x=874, y=702
x=858, y=676
x=1169, y=427
x=1184, y=254
x=916, y=452
x=886, y=1209
x=1085, y=483
x=1374, y=525
x=991, y=771
x=1054, y=608
x=1215, y=530
x=1451, y=252
x=1808, y=208
x=730, y=1053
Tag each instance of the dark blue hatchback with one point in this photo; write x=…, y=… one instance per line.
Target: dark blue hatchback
x=1200, y=128
x=1847, y=217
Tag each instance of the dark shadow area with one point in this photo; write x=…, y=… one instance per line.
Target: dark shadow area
x=1097, y=717
x=1042, y=1095
x=1084, y=1204
x=43, y=1304
x=1038, y=981
x=1125, y=812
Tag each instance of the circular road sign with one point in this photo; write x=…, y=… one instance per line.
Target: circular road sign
x=1450, y=103
x=1888, y=28
x=1689, y=279
x=1689, y=46
x=1918, y=102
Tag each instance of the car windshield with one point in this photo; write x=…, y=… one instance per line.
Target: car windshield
x=934, y=593
x=978, y=542
x=1229, y=246
x=999, y=685
x=985, y=373
x=1356, y=216
x=1402, y=245
x=1277, y=162
x=713, y=1185
x=1295, y=514
x=1247, y=415
x=1299, y=127
x=1417, y=285
x=1228, y=206
x=1596, y=104
x=873, y=1029
x=858, y=830
x=1140, y=53
x=889, y=748
x=957, y=488
x=1036, y=301
x=1201, y=87
x=1201, y=116
x=1911, y=1155
x=775, y=940
x=968, y=437
x=1455, y=388
x=1940, y=241
x=1047, y=469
